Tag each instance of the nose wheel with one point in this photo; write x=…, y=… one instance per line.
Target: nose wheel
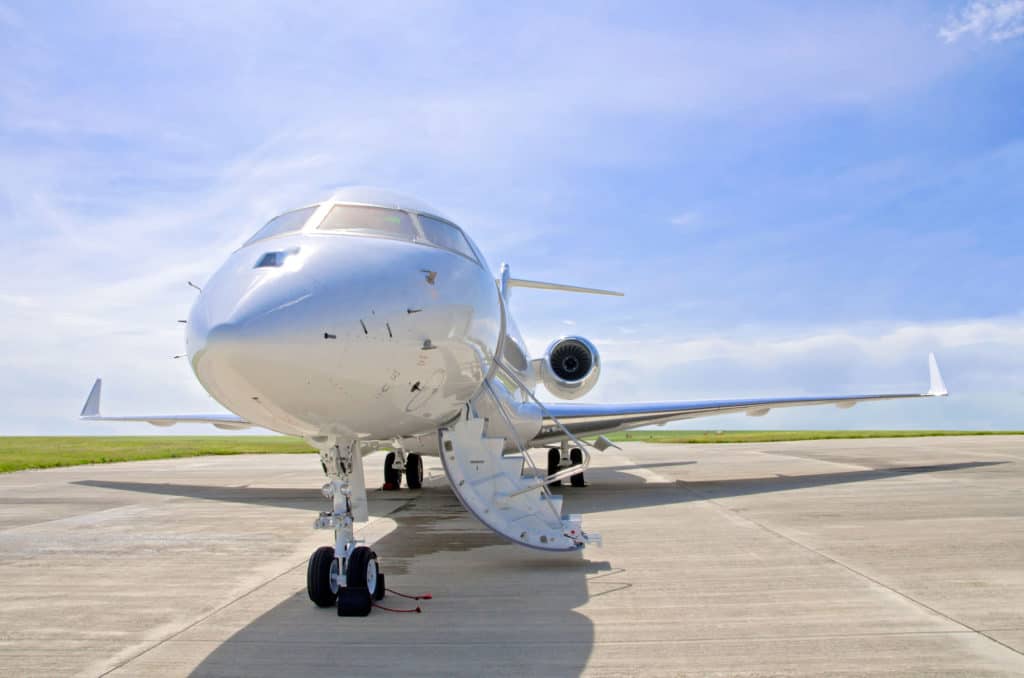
x=352, y=584
x=346, y=575
x=323, y=577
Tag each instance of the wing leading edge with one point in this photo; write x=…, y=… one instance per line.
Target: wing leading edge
x=91, y=412
x=589, y=420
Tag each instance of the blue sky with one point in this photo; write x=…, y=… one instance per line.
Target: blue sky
x=796, y=200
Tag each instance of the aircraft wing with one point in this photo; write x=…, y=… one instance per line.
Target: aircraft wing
x=587, y=420
x=91, y=412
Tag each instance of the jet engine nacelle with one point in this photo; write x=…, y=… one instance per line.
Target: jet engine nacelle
x=570, y=367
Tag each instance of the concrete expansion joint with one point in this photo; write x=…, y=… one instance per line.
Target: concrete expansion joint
x=853, y=570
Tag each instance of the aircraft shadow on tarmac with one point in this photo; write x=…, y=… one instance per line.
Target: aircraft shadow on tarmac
x=494, y=603
x=618, y=490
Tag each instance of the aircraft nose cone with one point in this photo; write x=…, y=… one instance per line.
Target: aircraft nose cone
x=234, y=311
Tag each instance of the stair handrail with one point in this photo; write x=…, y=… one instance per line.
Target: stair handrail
x=545, y=492
x=558, y=475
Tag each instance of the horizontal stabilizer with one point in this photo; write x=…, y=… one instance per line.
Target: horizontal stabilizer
x=539, y=285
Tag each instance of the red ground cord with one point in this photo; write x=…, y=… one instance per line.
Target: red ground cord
x=424, y=596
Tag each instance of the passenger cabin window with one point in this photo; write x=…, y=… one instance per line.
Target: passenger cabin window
x=285, y=223
x=369, y=220
x=445, y=235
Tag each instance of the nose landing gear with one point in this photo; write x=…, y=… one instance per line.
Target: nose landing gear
x=347, y=574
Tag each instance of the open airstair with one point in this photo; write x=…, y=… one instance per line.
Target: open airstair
x=493, y=487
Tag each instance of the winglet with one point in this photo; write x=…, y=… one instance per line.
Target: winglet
x=92, y=403
x=936, y=387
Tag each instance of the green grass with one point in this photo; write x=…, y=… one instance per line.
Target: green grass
x=17, y=453
x=46, y=452
x=677, y=437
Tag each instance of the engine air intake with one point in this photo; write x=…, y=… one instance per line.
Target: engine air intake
x=571, y=360
x=570, y=367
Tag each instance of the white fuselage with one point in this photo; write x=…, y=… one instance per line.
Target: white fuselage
x=353, y=335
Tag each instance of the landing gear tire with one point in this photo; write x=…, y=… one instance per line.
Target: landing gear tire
x=392, y=476
x=413, y=471
x=378, y=593
x=322, y=577
x=576, y=457
x=362, y=577
x=554, y=457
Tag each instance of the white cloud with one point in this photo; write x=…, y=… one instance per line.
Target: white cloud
x=686, y=221
x=995, y=20
x=982, y=361
x=121, y=184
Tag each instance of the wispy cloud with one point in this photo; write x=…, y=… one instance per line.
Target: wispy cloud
x=981, y=361
x=686, y=221
x=130, y=163
x=995, y=20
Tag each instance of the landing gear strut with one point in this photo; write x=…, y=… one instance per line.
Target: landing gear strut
x=346, y=574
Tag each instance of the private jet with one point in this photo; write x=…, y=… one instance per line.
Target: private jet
x=370, y=320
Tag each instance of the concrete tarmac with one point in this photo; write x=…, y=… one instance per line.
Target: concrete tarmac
x=902, y=557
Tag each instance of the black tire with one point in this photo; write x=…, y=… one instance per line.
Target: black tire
x=576, y=457
x=378, y=593
x=318, y=577
x=413, y=471
x=361, y=570
x=392, y=476
x=554, y=456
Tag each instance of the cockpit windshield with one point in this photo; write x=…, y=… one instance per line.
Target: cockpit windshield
x=285, y=223
x=369, y=220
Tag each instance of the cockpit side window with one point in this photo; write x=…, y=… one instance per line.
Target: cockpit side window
x=284, y=223
x=445, y=235
x=370, y=221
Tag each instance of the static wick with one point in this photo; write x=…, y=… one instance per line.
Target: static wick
x=194, y=286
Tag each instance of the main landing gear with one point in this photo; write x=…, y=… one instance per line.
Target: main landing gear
x=347, y=574
x=398, y=461
x=559, y=458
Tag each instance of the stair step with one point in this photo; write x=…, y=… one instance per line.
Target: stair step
x=487, y=482
x=513, y=464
